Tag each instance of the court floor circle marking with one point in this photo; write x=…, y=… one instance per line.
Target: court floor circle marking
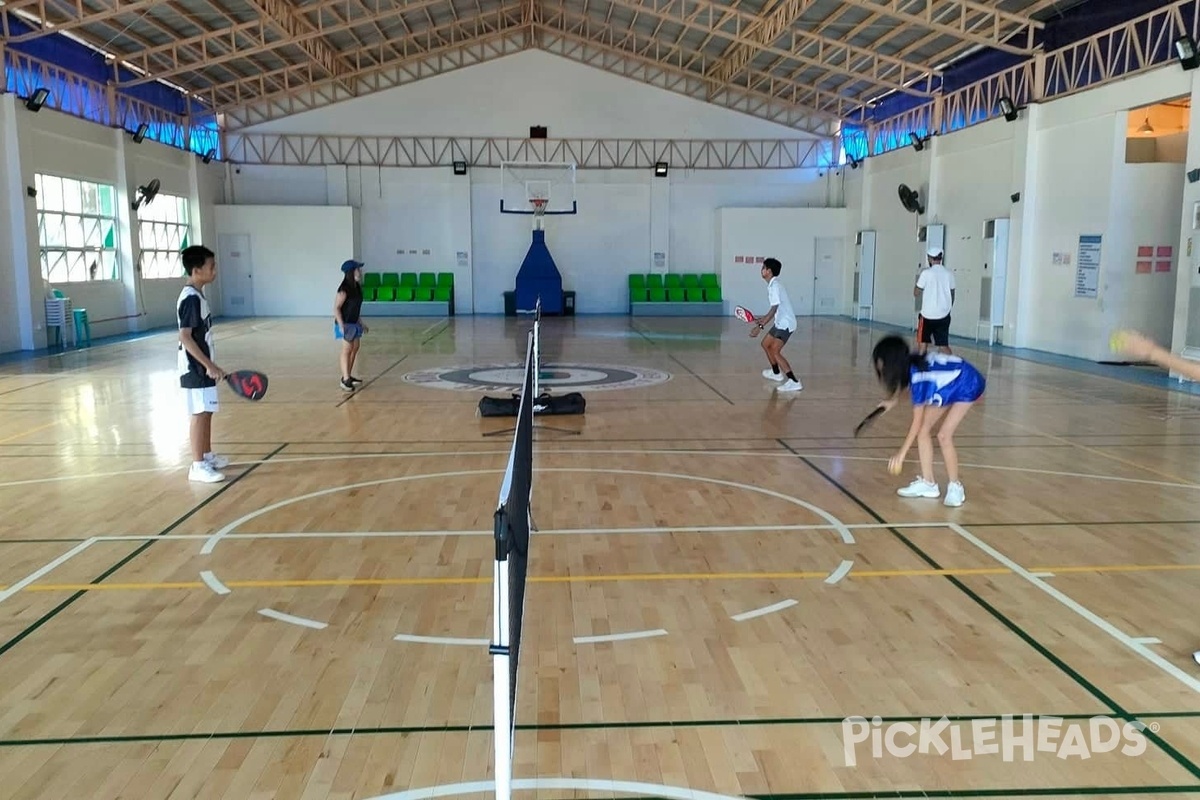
x=503, y=377
x=215, y=584
x=585, y=784
x=837, y=525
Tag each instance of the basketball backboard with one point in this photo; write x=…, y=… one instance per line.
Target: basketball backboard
x=527, y=185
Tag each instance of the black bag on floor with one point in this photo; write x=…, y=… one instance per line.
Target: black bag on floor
x=572, y=403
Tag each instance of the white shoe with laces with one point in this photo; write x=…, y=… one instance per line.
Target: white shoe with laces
x=791, y=386
x=772, y=375
x=203, y=472
x=955, y=495
x=215, y=461
x=920, y=488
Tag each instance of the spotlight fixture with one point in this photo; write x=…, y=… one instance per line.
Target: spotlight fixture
x=209, y=156
x=1185, y=49
x=917, y=144
x=1193, y=175
x=142, y=130
x=460, y=168
x=660, y=169
x=854, y=162
x=1008, y=108
x=37, y=99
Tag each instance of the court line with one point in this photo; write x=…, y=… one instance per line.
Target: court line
x=447, y=640
x=302, y=583
x=1131, y=642
x=572, y=452
x=54, y=612
x=351, y=395
x=692, y=372
x=842, y=571
x=212, y=582
x=29, y=432
x=486, y=726
x=48, y=568
x=635, y=788
x=760, y=612
x=303, y=622
x=1175, y=755
x=837, y=524
x=619, y=637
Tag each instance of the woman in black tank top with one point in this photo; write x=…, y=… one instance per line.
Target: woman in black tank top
x=347, y=308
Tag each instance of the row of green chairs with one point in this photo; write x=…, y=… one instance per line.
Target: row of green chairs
x=409, y=294
x=410, y=280
x=675, y=280
x=710, y=295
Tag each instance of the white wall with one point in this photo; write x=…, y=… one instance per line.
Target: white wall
x=295, y=254
x=788, y=234
x=55, y=143
x=1067, y=159
x=625, y=216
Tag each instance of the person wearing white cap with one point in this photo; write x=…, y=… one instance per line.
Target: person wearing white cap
x=935, y=288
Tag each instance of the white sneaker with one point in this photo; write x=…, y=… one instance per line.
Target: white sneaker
x=920, y=488
x=791, y=386
x=955, y=495
x=216, y=462
x=204, y=473
x=1196, y=656
x=772, y=375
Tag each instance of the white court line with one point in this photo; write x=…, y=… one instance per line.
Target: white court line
x=1042, y=574
x=288, y=618
x=43, y=571
x=409, y=637
x=551, y=451
x=213, y=583
x=1133, y=644
x=760, y=612
x=837, y=524
x=1147, y=640
x=619, y=637
x=594, y=787
x=853, y=526
x=842, y=571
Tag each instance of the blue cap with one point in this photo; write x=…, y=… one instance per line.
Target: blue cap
x=351, y=265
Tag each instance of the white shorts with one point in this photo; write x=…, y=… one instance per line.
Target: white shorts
x=203, y=400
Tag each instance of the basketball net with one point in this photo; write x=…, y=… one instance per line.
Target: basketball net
x=539, y=211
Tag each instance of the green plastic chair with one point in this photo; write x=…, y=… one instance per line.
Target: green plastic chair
x=637, y=281
x=691, y=281
x=427, y=280
x=695, y=295
x=445, y=279
x=369, y=293
x=83, y=330
x=654, y=281
x=389, y=279
x=442, y=294
x=408, y=279
x=673, y=281
x=638, y=295
x=423, y=294
x=676, y=295
x=709, y=280
x=404, y=294
x=385, y=294
x=371, y=280
x=657, y=295
x=712, y=295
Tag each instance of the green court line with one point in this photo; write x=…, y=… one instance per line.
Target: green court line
x=554, y=726
x=54, y=612
x=1044, y=651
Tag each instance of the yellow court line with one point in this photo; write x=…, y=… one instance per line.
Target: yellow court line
x=670, y=576
x=16, y=436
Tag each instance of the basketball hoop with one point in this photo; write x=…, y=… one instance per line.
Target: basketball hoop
x=539, y=206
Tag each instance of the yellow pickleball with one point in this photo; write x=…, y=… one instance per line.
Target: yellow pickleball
x=896, y=468
x=1116, y=342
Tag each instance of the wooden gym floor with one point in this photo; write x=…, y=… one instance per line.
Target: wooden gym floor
x=314, y=627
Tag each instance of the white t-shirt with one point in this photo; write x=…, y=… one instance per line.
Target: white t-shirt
x=785, y=317
x=936, y=284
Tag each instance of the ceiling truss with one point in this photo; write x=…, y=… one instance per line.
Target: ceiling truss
x=806, y=64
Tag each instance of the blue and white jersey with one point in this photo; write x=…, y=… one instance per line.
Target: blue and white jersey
x=943, y=380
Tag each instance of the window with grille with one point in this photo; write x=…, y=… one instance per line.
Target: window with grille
x=77, y=224
x=163, y=232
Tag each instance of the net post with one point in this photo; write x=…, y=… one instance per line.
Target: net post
x=499, y=650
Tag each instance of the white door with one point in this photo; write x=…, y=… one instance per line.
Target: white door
x=235, y=272
x=827, y=275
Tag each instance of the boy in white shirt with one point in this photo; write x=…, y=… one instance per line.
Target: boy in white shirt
x=935, y=287
x=784, y=325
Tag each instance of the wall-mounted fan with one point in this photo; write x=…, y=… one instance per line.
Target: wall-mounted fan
x=145, y=194
x=911, y=200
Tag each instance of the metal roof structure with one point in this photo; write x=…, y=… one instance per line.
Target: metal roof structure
x=808, y=64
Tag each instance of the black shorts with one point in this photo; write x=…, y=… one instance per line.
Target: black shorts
x=780, y=334
x=936, y=331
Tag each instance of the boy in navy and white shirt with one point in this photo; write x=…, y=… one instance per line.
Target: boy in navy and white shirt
x=198, y=373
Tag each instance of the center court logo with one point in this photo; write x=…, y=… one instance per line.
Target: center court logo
x=557, y=377
x=1006, y=736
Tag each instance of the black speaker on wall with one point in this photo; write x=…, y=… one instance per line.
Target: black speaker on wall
x=537, y=131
